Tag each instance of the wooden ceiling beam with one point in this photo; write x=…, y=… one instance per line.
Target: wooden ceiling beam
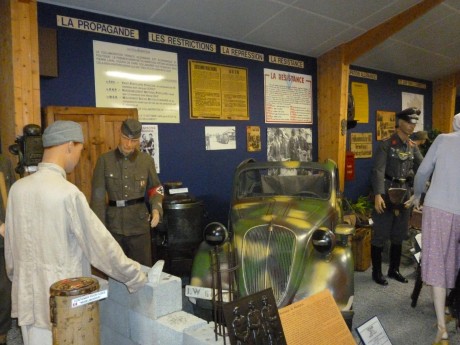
x=370, y=39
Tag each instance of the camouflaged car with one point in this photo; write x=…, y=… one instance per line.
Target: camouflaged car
x=286, y=231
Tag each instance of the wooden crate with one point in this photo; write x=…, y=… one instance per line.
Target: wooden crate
x=361, y=247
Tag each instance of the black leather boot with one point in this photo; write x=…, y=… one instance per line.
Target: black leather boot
x=395, y=260
x=376, y=256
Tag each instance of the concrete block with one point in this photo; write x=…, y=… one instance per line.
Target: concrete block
x=157, y=301
x=115, y=317
x=110, y=337
x=170, y=328
x=203, y=336
x=118, y=292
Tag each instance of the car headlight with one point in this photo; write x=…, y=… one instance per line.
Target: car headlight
x=323, y=240
x=215, y=234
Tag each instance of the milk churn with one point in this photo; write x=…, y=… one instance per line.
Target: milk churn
x=74, y=320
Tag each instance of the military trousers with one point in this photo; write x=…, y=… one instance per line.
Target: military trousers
x=136, y=247
x=390, y=225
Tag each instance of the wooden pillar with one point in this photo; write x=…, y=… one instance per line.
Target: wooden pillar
x=19, y=68
x=332, y=108
x=444, y=91
x=333, y=70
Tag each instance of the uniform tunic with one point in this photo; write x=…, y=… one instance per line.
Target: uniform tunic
x=52, y=234
x=394, y=160
x=129, y=177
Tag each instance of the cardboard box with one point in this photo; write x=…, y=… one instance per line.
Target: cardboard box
x=361, y=247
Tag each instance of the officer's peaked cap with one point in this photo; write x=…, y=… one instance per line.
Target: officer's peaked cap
x=131, y=128
x=409, y=115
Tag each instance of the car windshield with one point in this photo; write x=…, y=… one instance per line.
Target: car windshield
x=300, y=182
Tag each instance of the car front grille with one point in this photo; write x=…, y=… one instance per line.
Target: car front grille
x=266, y=260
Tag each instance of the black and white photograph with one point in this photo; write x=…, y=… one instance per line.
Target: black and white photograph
x=289, y=144
x=149, y=143
x=220, y=138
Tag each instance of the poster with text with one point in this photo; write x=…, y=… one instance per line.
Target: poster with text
x=218, y=92
x=361, y=145
x=134, y=77
x=417, y=101
x=360, y=94
x=288, y=97
x=149, y=143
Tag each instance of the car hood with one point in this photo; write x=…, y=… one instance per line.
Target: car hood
x=306, y=213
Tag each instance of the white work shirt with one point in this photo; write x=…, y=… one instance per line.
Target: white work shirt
x=52, y=234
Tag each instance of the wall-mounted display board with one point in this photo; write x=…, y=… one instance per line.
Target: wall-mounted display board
x=133, y=77
x=218, y=92
x=288, y=97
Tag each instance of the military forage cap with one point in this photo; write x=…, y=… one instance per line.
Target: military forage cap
x=131, y=128
x=61, y=132
x=409, y=115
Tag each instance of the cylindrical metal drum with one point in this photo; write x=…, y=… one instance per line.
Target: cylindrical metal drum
x=74, y=323
x=180, y=233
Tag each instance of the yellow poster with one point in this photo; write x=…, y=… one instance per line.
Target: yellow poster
x=361, y=145
x=361, y=97
x=218, y=92
x=253, y=138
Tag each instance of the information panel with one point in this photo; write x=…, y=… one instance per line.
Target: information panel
x=134, y=77
x=218, y=92
x=287, y=97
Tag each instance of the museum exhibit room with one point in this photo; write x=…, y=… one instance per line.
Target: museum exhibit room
x=232, y=172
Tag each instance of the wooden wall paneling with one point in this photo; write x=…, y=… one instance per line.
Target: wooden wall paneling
x=20, y=89
x=7, y=105
x=101, y=133
x=444, y=93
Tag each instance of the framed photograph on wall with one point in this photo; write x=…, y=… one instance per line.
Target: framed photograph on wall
x=385, y=124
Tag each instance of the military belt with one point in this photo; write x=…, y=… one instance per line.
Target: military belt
x=395, y=179
x=124, y=203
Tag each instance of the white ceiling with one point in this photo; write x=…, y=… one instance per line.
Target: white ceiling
x=428, y=48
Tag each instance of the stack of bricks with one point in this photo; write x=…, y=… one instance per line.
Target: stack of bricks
x=151, y=316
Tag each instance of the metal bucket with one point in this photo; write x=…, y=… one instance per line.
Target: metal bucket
x=71, y=324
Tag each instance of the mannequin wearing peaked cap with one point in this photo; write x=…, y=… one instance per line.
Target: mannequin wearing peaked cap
x=129, y=179
x=394, y=160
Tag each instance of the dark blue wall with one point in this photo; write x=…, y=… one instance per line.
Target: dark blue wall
x=384, y=94
x=183, y=157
